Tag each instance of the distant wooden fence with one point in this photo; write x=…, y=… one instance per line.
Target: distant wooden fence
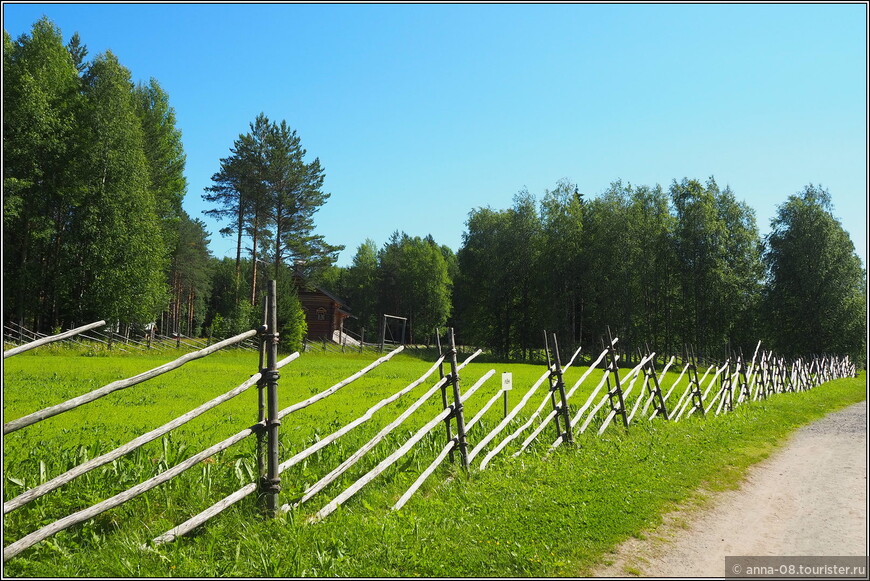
x=88, y=335
x=734, y=383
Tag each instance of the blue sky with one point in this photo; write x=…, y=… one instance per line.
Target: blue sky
x=421, y=112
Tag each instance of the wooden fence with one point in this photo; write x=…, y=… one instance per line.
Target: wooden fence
x=14, y=333
x=720, y=389
x=266, y=426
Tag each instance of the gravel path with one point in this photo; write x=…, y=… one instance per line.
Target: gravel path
x=808, y=498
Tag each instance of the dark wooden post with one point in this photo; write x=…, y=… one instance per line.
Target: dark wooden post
x=457, y=405
x=729, y=388
x=695, y=385
x=550, y=379
x=744, y=381
x=777, y=375
x=272, y=484
x=658, y=399
x=774, y=375
x=444, y=401
x=619, y=406
x=762, y=377
x=261, y=396
x=785, y=376
x=567, y=436
x=341, y=335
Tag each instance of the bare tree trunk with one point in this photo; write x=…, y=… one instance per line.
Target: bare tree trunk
x=239, y=227
x=254, y=260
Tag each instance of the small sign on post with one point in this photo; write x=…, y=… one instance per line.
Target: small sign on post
x=507, y=381
x=506, y=386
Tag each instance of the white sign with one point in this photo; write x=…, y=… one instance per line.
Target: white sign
x=506, y=381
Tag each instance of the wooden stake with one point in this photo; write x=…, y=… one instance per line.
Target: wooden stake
x=272, y=484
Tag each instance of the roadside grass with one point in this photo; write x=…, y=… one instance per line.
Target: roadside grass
x=527, y=516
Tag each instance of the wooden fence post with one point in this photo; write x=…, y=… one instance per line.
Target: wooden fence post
x=261, y=396
x=744, y=381
x=619, y=405
x=762, y=377
x=550, y=382
x=563, y=410
x=457, y=405
x=729, y=388
x=694, y=384
x=444, y=402
x=272, y=484
x=656, y=389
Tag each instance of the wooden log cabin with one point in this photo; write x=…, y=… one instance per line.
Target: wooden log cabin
x=324, y=312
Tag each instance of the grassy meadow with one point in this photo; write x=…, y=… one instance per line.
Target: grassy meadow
x=529, y=516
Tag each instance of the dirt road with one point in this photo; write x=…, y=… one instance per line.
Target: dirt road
x=808, y=498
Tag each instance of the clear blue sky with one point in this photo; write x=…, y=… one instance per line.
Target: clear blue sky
x=421, y=112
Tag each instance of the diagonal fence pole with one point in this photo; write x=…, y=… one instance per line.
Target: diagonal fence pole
x=444, y=401
x=561, y=410
x=462, y=444
x=655, y=388
x=51, y=339
x=618, y=406
x=75, y=402
x=697, y=397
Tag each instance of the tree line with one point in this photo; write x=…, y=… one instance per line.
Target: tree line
x=663, y=268
x=92, y=210
x=93, y=183
x=94, y=228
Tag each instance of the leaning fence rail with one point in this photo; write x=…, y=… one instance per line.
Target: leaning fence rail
x=137, y=442
x=250, y=488
x=53, y=338
x=365, y=448
x=501, y=445
x=392, y=458
x=122, y=497
x=75, y=402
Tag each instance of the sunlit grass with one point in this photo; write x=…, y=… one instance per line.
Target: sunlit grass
x=525, y=516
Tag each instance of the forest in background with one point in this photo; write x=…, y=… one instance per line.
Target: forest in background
x=94, y=229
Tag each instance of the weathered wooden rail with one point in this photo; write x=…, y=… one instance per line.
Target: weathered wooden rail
x=124, y=343
x=75, y=402
x=53, y=338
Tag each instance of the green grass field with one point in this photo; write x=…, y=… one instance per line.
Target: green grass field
x=529, y=516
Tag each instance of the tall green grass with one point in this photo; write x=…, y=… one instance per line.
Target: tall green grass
x=529, y=516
